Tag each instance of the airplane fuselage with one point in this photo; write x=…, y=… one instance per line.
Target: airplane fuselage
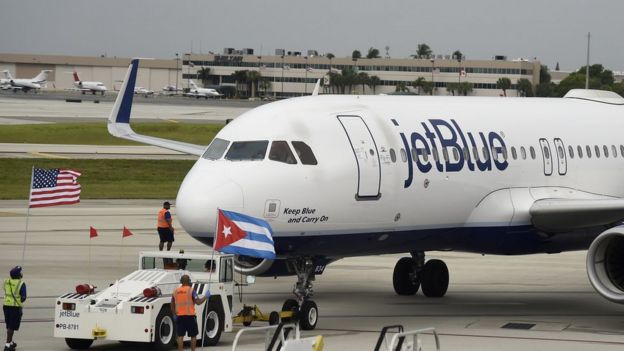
x=397, y=174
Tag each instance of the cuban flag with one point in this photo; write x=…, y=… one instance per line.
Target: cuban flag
x=243, y=235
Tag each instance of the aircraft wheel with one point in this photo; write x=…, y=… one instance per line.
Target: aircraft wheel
x=404, y=279
x=215, y=320
x=78, y=344
x=165, y=335
x=435, y=278
x=308, y=315
x=274, y=318
x=290, y=305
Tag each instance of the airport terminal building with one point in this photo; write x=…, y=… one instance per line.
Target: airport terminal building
x=284, y=74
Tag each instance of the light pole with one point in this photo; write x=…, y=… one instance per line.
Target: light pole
x=305, y=82
x=282, y=76
x=188, y=71
x=432, y=69
x=177, y=69
x=459, y=59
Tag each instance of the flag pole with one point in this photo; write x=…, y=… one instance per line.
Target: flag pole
x=89, y=271
x=210, y=277
x=32, y=175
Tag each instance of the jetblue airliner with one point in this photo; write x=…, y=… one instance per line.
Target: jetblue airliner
x=340, y=176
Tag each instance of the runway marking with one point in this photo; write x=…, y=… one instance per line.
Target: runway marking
x=35, y=153
x=11, y=214
x=171, y=120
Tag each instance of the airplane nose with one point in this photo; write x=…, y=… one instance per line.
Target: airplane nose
x=204, y=190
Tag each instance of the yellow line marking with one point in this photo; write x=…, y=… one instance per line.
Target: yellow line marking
x=171, y=120
x=47, y=155
x=10, y=214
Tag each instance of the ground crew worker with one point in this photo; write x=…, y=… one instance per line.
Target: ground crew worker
x=14, y=297
x=183, y=304
x=165, y=227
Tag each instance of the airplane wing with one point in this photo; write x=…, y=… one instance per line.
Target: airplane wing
x=561, y=215
x=119, y=119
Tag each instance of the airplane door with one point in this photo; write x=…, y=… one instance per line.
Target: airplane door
x=547, y=156
x=561, y=156
x=366, y=156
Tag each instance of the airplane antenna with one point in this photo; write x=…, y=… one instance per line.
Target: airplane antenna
x=587, y=65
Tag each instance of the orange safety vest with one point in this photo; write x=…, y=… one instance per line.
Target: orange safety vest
x=162, y=222
x=185, y=306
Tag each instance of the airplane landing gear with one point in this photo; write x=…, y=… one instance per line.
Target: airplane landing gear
x=410, y=273
x=305, y=310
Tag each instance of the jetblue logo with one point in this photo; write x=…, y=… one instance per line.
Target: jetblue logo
x=441, y=135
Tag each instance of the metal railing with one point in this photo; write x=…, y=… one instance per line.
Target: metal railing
x=399, y=338
x=279, y=336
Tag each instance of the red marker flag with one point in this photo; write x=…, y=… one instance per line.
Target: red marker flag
x=92, y=233
x=126, y=232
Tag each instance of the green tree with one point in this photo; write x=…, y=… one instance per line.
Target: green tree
x=373, y=82
x=544, y=75
x=525, y=88
x=423, y=51
x=363, y=78
x=545, y=88
x=265, y=85
x=428, y=87
x=464, y=88
x=418, y=84
x=240, y=79
x=356, y=54
x=330, y=57
x=599, y=78
x=203, y=74
x=457, y=55
x=452, y=88
x=372, y=53
x=401, y=87
x=253, y=77
x=504, y=84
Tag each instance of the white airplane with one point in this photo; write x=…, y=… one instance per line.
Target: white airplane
x=202, y=92
x=84, y=86
x=340, y=176
x=24, y=84
x=143, y=91
x=171, y=90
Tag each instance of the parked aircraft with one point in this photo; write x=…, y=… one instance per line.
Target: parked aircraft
x=171, y=90
x=24, y=84
x=202, y=92
x=340, y=176
x=84, y=86
x=143, y=91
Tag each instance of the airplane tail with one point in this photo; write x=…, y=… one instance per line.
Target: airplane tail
x=193, y=84
x=76, y=78
x=42, y=76
x=7, y=74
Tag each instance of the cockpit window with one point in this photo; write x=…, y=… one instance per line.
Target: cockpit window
x=247, y=150
x=280, y=152
x=216, y=149
x=304, y=152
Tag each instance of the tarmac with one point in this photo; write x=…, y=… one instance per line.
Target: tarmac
x=534, y=302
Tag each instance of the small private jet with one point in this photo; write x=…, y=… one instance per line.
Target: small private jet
x=86, y=86
x=24, y=84
x=198, y=92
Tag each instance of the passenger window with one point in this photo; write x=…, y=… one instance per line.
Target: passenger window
x=523, y=152
x=588, y=151
x=403, y=155
x=622, y=150
x=546, y=153
x=486, y=154
x=304, y=152
x=414, y=154
x=424, y=154
x=597, y=151
x=466, y=154
x=392, y=156
x=605, y=150
x=560, y=151
x=280, y=152
x=445, y=154
x=614, y=151
x=436, y=156
x=455, y=154
x=579, y=150
x=476, y=153
x=513, y=152
x=532, y=150
x=571, y=151
x=504, y=153
x=247, y=150
x=216, y=149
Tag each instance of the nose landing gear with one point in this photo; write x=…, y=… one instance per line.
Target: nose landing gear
x=304, y=310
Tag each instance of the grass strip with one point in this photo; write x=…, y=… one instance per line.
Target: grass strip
x=101, y=179
x=97, y=134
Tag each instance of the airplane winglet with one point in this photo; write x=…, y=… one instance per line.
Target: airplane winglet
x=119, y=119
x=317, y=87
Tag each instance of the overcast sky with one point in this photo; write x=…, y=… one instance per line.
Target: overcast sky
x=550, y=30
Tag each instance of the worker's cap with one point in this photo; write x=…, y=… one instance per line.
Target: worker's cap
x=16, y=272
x=166, y=203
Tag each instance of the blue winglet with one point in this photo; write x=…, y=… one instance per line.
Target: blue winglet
x=123, y=115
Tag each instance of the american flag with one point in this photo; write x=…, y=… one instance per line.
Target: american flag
x=52, y=187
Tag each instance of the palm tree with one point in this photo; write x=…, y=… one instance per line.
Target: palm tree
x=401, y=87
x=457, y=55
x=464, y=88
x=330, y=56
x=356, y=54
x=503, y=83
x=374, y=81
x=423, y=51
x=363, y=79
x=372, y=53
x=418, y=84
x=452, y=88
x=525, y=88
x=349, y=79
x=240, y=77
x=252, y=78
x=265, y=85
x=203, y=74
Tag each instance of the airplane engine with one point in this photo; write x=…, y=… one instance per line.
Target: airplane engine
x=605, y=264
x=251, y=265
